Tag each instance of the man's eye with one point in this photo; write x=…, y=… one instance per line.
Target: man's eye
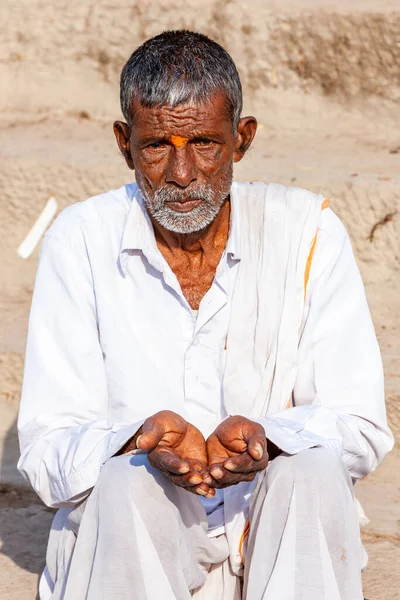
x=156, y=145
x=203, y=142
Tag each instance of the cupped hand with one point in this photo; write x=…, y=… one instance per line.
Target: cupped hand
x=236, y=451
x=178, y=450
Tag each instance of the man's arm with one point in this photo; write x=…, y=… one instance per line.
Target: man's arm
x=66, y=433
x=339, y=396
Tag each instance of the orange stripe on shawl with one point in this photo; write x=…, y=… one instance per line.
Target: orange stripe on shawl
x=243, y=537
x=324, y=205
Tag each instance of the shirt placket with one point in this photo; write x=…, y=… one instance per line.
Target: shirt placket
x=201, y=372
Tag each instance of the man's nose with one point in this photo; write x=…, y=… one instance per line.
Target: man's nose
x=181, y=168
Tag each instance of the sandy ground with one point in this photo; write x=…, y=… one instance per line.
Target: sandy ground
x=58, y=97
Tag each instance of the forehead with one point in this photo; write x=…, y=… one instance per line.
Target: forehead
x=184, y=120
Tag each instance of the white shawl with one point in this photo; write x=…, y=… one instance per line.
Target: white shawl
x=278, y=227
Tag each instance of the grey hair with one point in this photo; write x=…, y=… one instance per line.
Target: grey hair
x=180, y=66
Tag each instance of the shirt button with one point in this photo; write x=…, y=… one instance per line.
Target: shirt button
x=196, y=342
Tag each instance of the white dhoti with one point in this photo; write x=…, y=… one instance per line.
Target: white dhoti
x=139, y=537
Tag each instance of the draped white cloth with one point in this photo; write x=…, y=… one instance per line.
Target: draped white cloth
x=278, y=230
x=278, y=226
x=139, y=537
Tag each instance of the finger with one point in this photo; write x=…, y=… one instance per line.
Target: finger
x=197, y=464
x=167, y=461
x=205, y=491
x=208, y=479
x=217, y=471
x=257, y=446
x=240, y=464
x=152, y=432
x=193, y=478
x=200, y=489
x=245, y=463
x=232, y=479
x=223, y=477
x=205, y=475
x=185, y=481
x=201, y=492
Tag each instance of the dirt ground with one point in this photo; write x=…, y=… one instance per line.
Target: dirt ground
x=323, y=78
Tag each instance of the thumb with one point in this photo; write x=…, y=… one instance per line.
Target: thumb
x=257, y=446
x=152, y=432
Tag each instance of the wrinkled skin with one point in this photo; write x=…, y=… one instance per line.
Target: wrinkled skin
x=236, y=451
x=210, y=147
x=183, y=148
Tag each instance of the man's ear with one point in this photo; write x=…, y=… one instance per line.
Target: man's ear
x=122, y=133
x=246, y=131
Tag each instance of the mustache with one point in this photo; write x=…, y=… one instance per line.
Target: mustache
x=168, y=193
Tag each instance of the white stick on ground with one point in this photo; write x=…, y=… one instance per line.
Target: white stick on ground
x=38, y=229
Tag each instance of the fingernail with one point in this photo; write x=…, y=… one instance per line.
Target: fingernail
x=208, y=480
x=195, y=479
x=138, y=441
x=201, y=492
x=230, y=466
x=209, y=495
x=183, y=470
x=258, y=450
x=217, y=473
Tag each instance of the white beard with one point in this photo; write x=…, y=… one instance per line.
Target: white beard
x=194, y=220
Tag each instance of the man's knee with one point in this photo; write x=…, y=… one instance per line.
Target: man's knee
x=320, y=464
x=127, y=481
x=130, y=476
x=318, y=468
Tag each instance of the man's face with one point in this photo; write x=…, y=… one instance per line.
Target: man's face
x=183, y=159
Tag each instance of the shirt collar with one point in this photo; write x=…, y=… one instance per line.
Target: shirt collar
x=138, y=232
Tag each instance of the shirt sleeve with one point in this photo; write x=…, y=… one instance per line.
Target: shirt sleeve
x=338, y=399
x=65, y=431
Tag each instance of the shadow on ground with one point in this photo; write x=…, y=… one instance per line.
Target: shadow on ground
x=24, y=520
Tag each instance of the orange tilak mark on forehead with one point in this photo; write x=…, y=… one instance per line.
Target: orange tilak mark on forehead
x=178, y=141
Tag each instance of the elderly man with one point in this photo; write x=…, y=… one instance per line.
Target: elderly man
x=202, y=379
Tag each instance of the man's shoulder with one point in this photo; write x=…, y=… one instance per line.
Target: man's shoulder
x=281, y=201
x=331, y=224
x=329, y=221
x=333, y=243
x=278, y=189
x=90, y=216
x=331, y=231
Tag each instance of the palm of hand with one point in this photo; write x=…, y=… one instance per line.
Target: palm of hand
x=178, y=450
x=235, y=452
x=220, y=448
x=188, y=445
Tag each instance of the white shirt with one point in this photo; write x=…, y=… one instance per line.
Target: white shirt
x=112, y=340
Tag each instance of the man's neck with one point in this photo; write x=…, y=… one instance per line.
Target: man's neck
x=194, y=257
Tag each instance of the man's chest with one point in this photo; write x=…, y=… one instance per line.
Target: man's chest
x=195, y=274
x=195, y=285
x=154, y=350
